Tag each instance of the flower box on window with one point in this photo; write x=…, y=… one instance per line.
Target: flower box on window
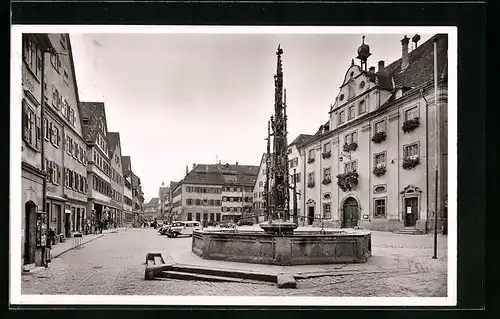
x=410, y=125
x=327, y=154
x=409, y=163
x=311, y=184
x=350, y=147
x=347, y=181
x=327, y=181
x=310, y=160
x=379, y=137
x=379, y=171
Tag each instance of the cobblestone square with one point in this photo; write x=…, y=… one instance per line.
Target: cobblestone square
x=114, y=265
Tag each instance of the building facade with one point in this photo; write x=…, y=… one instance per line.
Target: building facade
x=64, y=146
x=33, y=175
x=99, y=164
x=374, y=165
x=127, y=190
x=214, y=193
x=137, y=198
x=164, y=202
x=117, y=180
x=151, y=210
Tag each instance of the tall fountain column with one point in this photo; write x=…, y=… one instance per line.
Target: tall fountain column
x=277, y=204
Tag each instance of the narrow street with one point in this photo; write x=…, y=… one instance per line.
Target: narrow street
x=114, y=265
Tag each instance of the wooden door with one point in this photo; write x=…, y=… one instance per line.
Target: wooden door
x=350, y=213
x=411, y=211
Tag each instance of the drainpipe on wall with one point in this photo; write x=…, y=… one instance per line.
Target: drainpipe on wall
x=426, y=153
x=42, y=117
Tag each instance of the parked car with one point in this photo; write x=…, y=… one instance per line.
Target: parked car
x=163, y=229
x=183, y=228
x=244, y=222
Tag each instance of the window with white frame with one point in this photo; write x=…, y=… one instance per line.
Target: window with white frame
x=327, y=210
x=310, y=177
x=351, y=138
x=379, y=208
x=327, y=173
x=28, y=124
x=351, y=113
x=311, y=154
x=412, y=113
x=351, y=167
x=362, y=107
x=327, y=147
x=46, y=133
x=380, y=126
x=341, y=117
x=380, y=160
x=411, y=151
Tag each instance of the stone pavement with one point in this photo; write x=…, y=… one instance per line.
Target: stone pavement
x=381, y=261
x=70, y=243
x=114, y=265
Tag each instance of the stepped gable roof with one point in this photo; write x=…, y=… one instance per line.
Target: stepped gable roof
x=420, y=69
x=222, y=174
x=94, y=112
x=113, y=142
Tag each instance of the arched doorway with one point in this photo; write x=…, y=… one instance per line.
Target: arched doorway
x=350, y=213
x=29, y=232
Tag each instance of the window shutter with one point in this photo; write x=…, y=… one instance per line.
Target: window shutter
x=25, y=121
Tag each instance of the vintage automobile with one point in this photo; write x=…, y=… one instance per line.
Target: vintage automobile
x=244, y=222
x=163, y=229
x=183, y=228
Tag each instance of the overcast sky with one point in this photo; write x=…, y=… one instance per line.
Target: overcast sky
x=179, y=99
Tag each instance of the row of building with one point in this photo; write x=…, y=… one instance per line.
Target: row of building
x=372, y=164
x=73, y=171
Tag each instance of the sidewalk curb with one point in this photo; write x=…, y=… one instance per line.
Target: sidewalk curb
x=71, y=248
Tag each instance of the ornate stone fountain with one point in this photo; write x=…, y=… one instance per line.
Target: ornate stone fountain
x=281, y=243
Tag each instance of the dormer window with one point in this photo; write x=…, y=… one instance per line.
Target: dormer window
x=341, y=97
x=362, y=84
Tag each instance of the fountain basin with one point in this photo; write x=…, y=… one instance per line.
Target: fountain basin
x=297, y=248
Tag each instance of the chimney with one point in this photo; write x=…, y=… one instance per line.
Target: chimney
x=415, y=40
x=372, y=69
x=404, y=57
x=236, y=163
x=194, y=165
x=381, y=66
x=187, y=170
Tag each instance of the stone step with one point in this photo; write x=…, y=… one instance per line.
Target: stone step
x=408, y=231
x=200, y=277
x=231, y=273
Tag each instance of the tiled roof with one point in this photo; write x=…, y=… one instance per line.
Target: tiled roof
x=222, y=174
x=173, y=185
x=420, y=69
x=113, y=142
x=301, y=139
x=153, y=201
x=94, y=111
